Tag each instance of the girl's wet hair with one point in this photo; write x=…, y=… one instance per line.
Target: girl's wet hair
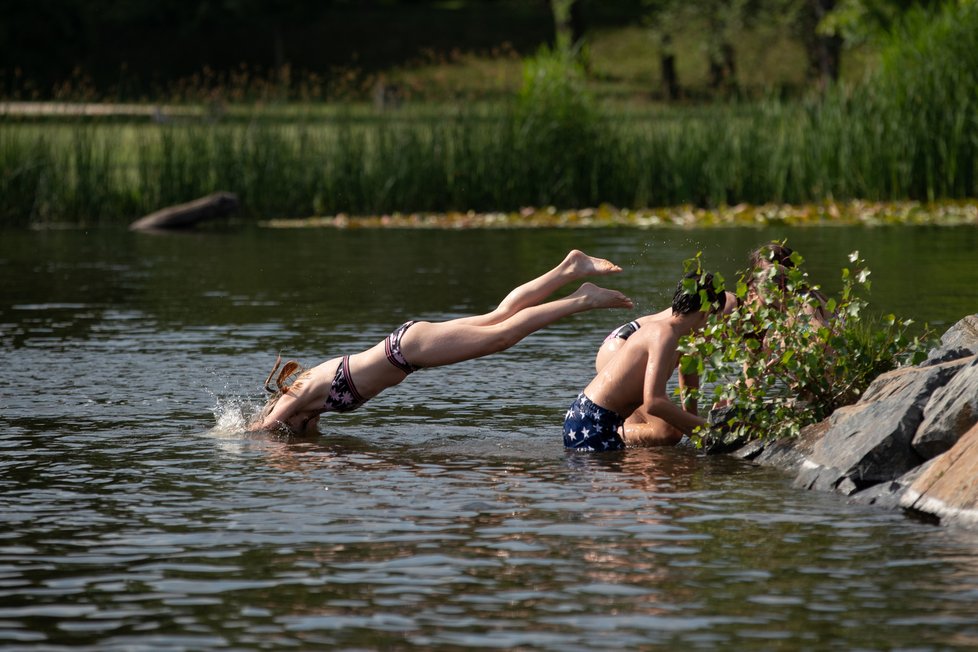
x=281, y=385
x=772, y=253
x=777, y=255
x=291, y=368
x=685, y=302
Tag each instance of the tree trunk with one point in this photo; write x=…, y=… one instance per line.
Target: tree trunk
x=667, y=66
x=824, y=52
x=729, y=67
x=723, y=69
x=578, y=25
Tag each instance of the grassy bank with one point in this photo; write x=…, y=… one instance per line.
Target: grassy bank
x=468, y=161
x=910, y=133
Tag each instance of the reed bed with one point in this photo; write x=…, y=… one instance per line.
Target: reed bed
x=909, y=133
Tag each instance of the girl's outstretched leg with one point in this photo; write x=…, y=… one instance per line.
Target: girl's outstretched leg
x=576, y=265
x=428, y=344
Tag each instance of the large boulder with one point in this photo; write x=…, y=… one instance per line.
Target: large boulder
x=950, y=412
x=949, y=488
x=870, y=442
x=889, y=494
x=787, y=454
x=960, y=341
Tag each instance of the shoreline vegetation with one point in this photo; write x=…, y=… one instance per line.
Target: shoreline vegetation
x=906, y=133
x=857, y=212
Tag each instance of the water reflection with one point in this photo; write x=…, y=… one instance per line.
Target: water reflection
x=442, y=515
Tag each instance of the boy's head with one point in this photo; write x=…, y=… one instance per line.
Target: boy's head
x=693, y=290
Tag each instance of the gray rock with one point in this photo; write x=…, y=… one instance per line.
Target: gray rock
x=791, y=454
x=959, y=341
x=823, y=478
x=720, y=439
x=946, y=354
x=948, y=489
x=870, y=442
x=889, y=494
x=949, y=413
x=720, y=443
x=750, y=451
x=723, y=418
x=963, y=334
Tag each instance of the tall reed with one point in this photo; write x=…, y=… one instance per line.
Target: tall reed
x=909, y=132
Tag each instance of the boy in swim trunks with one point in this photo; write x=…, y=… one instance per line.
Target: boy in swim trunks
x=627, y=402
x=345, y=383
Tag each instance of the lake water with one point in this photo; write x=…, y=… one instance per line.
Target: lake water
x=445, y=513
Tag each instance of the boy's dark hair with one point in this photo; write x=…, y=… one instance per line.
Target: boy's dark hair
x=689, y=295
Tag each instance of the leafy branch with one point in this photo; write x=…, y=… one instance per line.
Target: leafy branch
x=789, y=356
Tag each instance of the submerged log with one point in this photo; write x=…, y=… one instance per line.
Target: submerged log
x=184, y=216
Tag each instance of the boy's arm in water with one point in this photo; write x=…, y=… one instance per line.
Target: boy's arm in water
x=643, y=429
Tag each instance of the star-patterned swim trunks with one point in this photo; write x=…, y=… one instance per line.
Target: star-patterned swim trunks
x=590, y=427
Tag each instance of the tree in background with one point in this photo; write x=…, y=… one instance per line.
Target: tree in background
x=657, y=19
x=131, y=47
x=724, y=21
x=862, y=21
x=825, y=26
x=824, y=50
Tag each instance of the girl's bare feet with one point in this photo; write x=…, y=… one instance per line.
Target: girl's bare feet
x=578, y=264
x=599, y=297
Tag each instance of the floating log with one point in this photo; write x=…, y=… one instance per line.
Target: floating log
x=184, y=216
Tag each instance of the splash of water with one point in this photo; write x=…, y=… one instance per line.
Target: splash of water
x=232, y=411
x=231, y=414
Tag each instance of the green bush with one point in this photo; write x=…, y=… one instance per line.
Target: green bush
x=558, y=132
x=789, y=356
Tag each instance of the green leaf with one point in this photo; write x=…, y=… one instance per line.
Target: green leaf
x=689, y=364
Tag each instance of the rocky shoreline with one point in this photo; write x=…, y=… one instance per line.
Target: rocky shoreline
x=910, y=442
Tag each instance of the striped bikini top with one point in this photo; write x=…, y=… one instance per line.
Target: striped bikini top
x=624, y=332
